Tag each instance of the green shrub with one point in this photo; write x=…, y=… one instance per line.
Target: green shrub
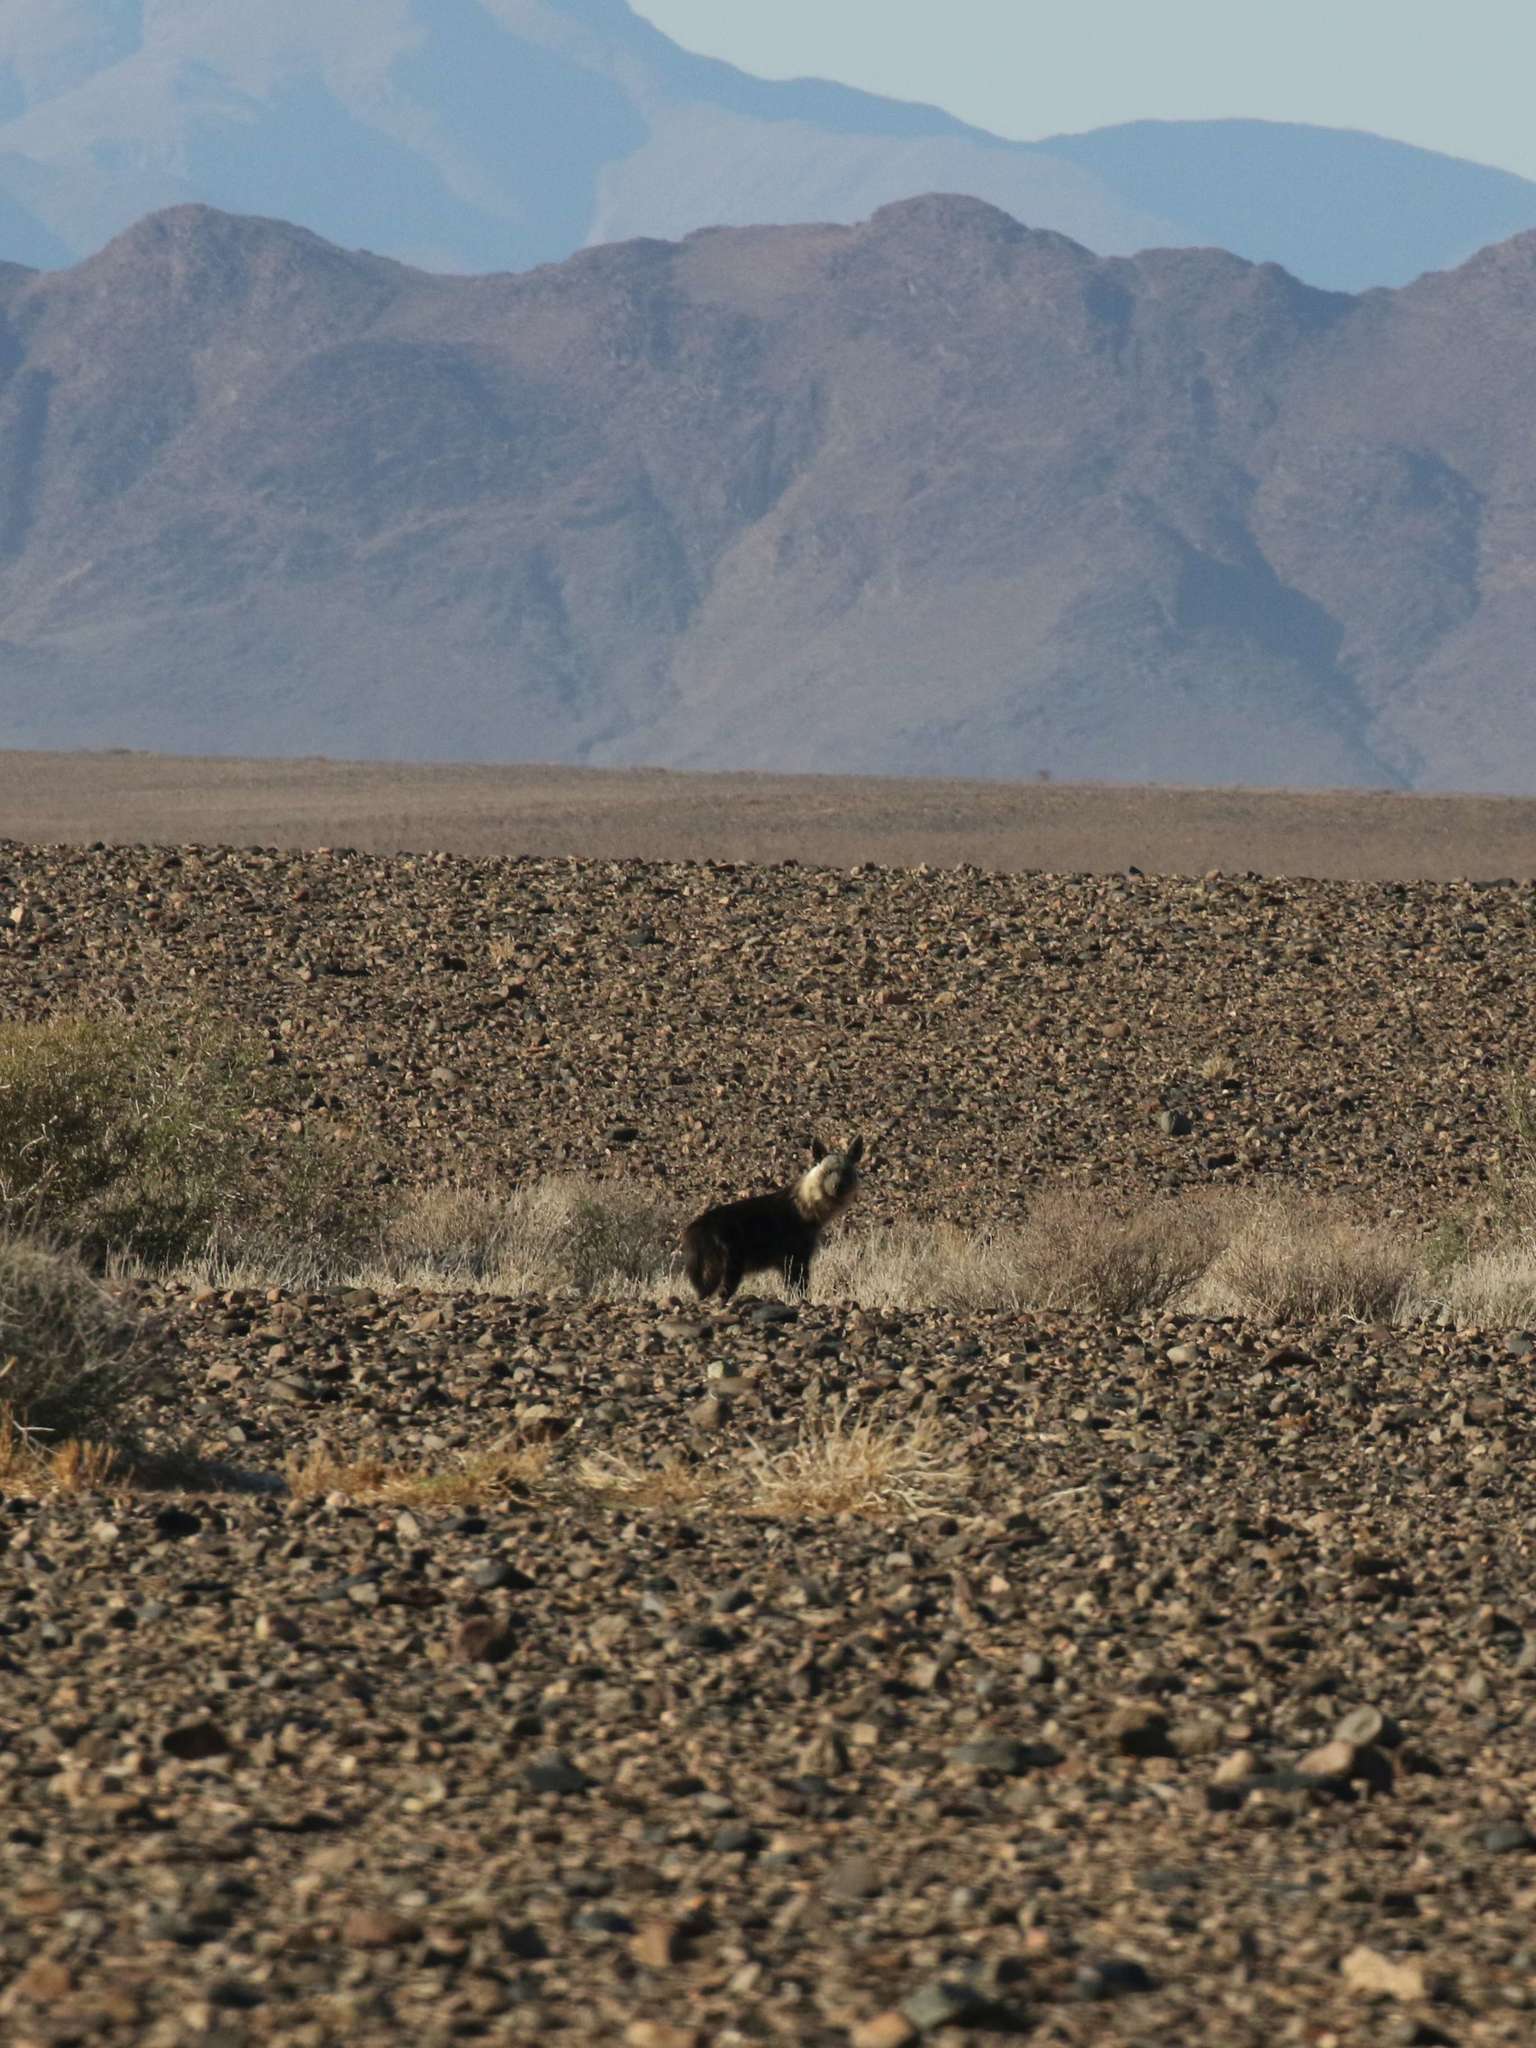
x=70, y=1356
x=144, y=1137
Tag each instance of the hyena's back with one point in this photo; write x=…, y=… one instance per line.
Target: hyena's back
x=762, y=1233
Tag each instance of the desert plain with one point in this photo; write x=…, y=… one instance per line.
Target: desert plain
x=501, y=1666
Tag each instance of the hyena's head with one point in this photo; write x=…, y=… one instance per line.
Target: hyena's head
x=830, y=1183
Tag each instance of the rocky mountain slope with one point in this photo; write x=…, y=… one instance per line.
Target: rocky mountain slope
x=937, y=493
x=492, y=134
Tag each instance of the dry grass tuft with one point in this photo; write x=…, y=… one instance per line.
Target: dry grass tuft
x=838, y=1467
x=1070, y=1254
x=1494, y=1288
x=1293, y=1259
x=464, y=1481
x=834, y=1467
x=38, y=1470
x=671, y=1486
x=1081, y=1257
x=559, y=1233
x=70, y=1358
x=909, y=1265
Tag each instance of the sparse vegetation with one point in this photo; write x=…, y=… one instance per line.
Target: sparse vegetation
x=1496, y=1288
x=841, y=1464
x=1291, y=1259
x=70, y=1356
x=1081, y=1256
x=669, y=1485
x=38, y=1468
x=561, y=1232
x=838, y=1464
x=144, y=1138
x=1072, y=1252
x=468, y=1479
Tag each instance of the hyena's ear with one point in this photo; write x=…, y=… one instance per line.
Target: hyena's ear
x=855, y=1152
x=818, y=1150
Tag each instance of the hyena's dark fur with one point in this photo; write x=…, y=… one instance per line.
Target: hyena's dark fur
x=778, y=1232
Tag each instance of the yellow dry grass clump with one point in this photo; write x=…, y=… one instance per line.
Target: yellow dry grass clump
x=461, y=1481
x=32, y=1466
x=1289, y=1259
x=836, y=1466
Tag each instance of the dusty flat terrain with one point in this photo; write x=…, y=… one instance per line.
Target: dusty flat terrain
x=834, y=820
x=1195, y=1707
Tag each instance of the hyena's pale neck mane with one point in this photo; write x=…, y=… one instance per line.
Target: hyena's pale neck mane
x=814, y=1196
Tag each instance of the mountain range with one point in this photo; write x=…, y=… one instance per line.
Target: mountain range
x=935, y=493
x=475, y=135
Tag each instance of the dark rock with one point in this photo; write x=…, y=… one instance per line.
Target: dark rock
x=1140, y=1730
x=195, y=1741
x=1112, y=1977
x=555, y=1773
x=177, y=1522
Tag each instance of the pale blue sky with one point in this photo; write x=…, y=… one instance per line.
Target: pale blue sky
x=1453, y=75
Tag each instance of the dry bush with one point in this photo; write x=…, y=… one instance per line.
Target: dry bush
x=1296, y=1259
x=1514, y=1180
x=834, y=1467
x=40, y=1470
x=671, y=1485
x=462, y=1481
x=909, y=1265
x=1070, y=1254
x=1080, y=1256
x=1496, y=1288
x=138, y=1136
x=562, y=1232
x=70, y=1358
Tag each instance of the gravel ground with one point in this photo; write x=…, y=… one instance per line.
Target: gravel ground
x=1198, y=1711
x=686, y=1025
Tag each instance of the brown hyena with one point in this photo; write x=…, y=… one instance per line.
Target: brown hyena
x=779, y=1231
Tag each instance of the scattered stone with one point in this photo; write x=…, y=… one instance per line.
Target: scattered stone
x=555, y=1773
x=946, y=2002
x=1368, y=1727
x=661, y=2034
x=1112, y=1977
x=660, y=1944
x=371, y=1927
x=1140, y=1730
x=1333, y=1761
x=195, y=1741
x=1507, y=1837
x=856, y=1877
x=484, y=1639
x=497, y=1575
x=886, y=2030
x=1375, y=1975
x=175, y=1522
x=1001, y=1753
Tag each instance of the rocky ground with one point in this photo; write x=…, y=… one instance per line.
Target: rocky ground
x=686, y=1025
x=1189, y=1700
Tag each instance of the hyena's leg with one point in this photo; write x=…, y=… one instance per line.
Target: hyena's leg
x=730, y=1279
x=704, y=1265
